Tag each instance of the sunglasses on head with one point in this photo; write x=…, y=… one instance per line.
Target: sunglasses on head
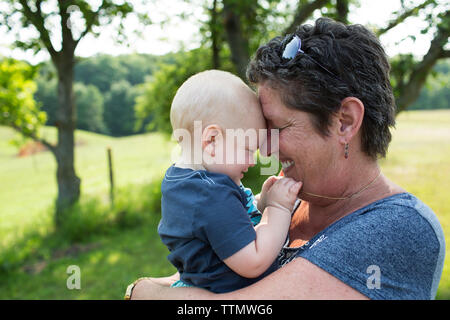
x=294, y=47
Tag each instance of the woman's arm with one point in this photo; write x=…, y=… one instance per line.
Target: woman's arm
x=167, y=281
x=298, y=280
x=154, y=290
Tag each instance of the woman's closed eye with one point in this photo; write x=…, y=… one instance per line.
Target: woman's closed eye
x=282, y=127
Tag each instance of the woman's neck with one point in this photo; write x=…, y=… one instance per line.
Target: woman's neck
x=319, y=213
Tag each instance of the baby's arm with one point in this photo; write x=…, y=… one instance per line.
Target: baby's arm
x=252, y=260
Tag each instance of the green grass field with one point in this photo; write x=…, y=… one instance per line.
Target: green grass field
x=107, y=262
x=418, y=160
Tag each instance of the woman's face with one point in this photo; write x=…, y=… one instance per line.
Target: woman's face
x=305, y=155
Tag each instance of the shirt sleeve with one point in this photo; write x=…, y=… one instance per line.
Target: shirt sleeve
x=223, y=222
x=382, y=254
x=251, y=206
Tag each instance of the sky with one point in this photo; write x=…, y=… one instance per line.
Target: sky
x=160, y=38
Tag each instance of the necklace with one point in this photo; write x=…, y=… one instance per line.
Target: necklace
x=348, y=197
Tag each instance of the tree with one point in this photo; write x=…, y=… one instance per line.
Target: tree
x=88, y=99
x=89, y=108
x=40, y=16
x=46, y=96
x=244, y=25
x=435, y=94
x=243, y=21
x=100, y=71
x=303, y=12
x=158, y=93
x=235, y=29
x=119, y=111
x=408, y=75
x=17, y=106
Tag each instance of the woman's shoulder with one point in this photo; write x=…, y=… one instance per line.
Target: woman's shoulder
x=390, y=226
x=402, y=210
x=398, y=234
x=398, y=215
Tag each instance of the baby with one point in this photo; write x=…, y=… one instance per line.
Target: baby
x=219, y=237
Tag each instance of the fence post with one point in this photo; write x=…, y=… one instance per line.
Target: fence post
x=111, y=177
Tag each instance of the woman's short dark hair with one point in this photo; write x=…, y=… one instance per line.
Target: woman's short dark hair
x=358, y=67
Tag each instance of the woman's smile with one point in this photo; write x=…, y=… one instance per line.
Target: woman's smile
x=286, y=165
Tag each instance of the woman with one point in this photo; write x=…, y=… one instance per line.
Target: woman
x=355, y=234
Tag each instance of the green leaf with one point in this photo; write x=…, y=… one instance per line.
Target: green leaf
x=17, y=105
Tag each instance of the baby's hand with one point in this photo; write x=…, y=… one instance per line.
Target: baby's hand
x=261, y=198
x=280, y=192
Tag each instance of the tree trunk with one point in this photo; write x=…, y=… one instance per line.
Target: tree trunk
x=214, y=37
x=68, y=182
x=238, y=43
x=342, y=11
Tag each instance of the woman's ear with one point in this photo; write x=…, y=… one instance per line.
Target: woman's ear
x=210, y=136
x=349, y=117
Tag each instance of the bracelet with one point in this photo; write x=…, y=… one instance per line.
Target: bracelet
x=130, y=288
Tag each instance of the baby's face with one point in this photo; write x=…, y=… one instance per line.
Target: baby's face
x=236, y=152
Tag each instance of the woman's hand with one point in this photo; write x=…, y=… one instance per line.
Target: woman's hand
x=145, y=289
x=167, y=281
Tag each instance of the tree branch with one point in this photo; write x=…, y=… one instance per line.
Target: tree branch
x=37, y=21
x=68, y=43
x=342, y=11
x=303, y=12
x=408, y=13
x=411, y=89
x=33, y=136
x=90, y=19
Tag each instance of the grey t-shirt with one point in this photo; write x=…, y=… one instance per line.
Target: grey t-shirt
x=393, y=248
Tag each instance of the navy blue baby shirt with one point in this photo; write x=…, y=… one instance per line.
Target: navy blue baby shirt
x=204, y=220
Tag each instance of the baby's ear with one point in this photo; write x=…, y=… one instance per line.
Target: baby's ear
x=210, y=135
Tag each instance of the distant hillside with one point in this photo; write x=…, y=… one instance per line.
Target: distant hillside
x=105, y=88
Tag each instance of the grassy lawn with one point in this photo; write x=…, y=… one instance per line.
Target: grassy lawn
x=108, y=263
x=418, y=160
x=28, y=185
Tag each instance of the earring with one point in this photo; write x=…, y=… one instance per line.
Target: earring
x=346, y=151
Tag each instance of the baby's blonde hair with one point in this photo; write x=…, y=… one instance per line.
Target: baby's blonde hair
x=211, y=96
